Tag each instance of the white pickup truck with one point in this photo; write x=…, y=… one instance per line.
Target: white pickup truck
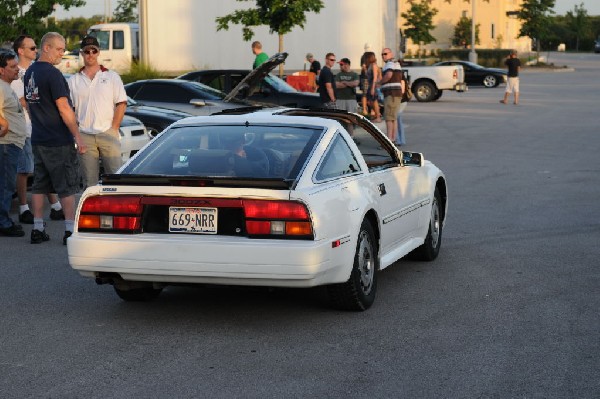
x=428, y=82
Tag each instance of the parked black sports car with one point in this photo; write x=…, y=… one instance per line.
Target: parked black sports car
x=181, y=95
x=193, y=97
x=265, y=88
x=477, y=75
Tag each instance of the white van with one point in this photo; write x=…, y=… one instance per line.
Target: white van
x=119, y=45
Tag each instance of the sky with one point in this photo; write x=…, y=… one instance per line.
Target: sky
x=99, y=7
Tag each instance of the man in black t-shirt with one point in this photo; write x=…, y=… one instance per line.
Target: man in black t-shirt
x=327, y=82
x=315, y=66
x=54, y=135
x=512, y=85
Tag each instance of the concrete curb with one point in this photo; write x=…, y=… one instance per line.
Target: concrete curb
x=548, y=69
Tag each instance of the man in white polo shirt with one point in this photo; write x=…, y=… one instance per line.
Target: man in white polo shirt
x=100, y=100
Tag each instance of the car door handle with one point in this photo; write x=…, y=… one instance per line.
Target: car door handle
x=382, y=191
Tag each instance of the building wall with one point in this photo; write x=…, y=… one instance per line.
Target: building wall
x=496, y=29
x=181, y=35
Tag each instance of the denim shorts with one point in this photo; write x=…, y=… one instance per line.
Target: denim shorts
x=56, y=170
x=25, y=164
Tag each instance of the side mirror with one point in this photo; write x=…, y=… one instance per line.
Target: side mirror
x=412, y=158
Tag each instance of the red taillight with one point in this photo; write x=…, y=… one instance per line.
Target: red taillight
x=275, y=210
x=257, y=227
x=111, y=213
x=278, y=219
x=116, y=204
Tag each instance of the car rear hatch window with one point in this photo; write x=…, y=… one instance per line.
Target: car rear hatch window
x=239, y=152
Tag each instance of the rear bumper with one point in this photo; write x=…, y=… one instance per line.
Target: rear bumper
x=178, y=258
x=460, y=87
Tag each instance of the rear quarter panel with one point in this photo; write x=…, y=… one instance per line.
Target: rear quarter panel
x=443, y=75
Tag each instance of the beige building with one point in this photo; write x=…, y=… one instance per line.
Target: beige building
x=497, y=27
x=344, y=27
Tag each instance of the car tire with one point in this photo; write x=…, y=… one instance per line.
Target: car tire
x=358, y=293
x=137, y=294
x=433, y=241
x=424, y=91
x=490, y=81
x=438, y=95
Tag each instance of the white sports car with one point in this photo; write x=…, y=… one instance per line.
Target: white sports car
x=284, y=197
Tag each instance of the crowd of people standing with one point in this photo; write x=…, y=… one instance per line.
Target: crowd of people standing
x=339, y=91
x=48, y=126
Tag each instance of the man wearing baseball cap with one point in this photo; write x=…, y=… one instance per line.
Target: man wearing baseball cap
x=100, y=100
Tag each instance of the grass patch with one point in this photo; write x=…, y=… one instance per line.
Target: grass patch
x=141, y=71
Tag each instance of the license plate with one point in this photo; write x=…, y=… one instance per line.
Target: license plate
x=193, y=220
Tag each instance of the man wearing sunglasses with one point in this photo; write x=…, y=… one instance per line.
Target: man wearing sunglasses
x=327, y=82
x=24, y=46
x=392, y=87
x=100, y=100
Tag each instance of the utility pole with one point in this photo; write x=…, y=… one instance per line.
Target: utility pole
x=107, y=11
x=472, y=53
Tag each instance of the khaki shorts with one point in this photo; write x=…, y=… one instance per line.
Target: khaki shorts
x=391, y=106
x=105, y=145
x=512, y=85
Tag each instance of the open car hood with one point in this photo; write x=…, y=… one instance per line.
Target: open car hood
x=250, y=84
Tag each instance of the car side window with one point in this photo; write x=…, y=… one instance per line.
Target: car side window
x=162, y=93
x=338, y=161
x=236, y=78
x=214, y=81
x=376, y=152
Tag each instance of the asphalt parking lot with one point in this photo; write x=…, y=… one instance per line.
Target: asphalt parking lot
x=510, y=309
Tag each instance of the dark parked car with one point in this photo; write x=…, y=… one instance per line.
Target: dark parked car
x=199, y=99
x=477, y=75
x=264, y=88
x=181, y=95
x=597, y=46
x=156, y=119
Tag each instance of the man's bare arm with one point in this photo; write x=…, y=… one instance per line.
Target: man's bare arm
x=119, y=113
x=68, y=116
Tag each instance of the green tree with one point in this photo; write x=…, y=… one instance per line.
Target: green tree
x=578, y=21
x=126, y=11
x=29, y=16
x=280, y=16
x=462, y=32
x=558, y=32
x=419, y=22
x=535, y=15
x=75, y=29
